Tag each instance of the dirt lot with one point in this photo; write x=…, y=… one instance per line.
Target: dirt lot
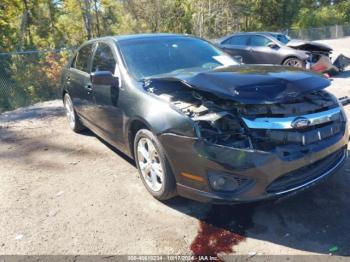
x=64, y=193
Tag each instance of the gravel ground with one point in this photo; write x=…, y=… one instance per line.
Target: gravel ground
x=67, y=193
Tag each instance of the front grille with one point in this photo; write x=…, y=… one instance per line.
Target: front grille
x=306, y=104
x=306, y=174
x=268, y=140
x=270, y=125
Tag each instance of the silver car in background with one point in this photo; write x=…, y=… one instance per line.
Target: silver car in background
x=273, y=48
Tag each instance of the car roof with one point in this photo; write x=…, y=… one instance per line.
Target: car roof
x=258, y=33
x=145, y=36
x=250, y=33
x=136, y=37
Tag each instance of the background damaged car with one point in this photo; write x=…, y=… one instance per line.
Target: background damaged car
x=319, y=59
x=277, y=48
x=200, y=125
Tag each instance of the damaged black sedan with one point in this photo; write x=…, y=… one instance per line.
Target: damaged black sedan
x=200, y=125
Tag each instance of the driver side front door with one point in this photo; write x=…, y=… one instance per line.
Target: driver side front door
x=107, y=112
x=261, y=52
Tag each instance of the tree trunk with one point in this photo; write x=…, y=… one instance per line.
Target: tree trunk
x=157, y=16
x=97, y=19
x=25, y=26
x=53, y=27
x=86, y=12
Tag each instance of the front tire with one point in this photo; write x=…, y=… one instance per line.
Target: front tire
x=153, y=166
x=72, y=117
x=294, y=62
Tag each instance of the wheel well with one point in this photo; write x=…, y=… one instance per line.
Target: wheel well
x=135, y=126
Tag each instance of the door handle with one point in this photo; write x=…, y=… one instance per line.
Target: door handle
x=68, y=80
x=88, y=88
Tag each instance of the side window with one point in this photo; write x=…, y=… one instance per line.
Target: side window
x=104, y=59
x=237, y=40
x=82, y=59
x=258, y=40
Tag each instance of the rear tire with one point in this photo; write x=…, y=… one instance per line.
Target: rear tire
x=153, y=166
x=72, y=117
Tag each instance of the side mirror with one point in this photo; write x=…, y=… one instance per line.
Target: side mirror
x=103, y=78
x=238, y=58
x=273, y=45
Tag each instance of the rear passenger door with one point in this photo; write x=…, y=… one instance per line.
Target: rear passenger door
x=80, y=82
x=238, y=45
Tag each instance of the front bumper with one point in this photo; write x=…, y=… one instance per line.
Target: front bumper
x=270, y=174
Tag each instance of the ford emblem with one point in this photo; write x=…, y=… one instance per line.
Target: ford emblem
x=300, y=122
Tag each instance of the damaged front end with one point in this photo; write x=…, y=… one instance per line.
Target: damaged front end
x=216, y=122
x=320, y=57
x=262, y=126
x=243, y=146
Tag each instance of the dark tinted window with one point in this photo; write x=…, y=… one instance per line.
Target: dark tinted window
x=82, y=60
x=103, y=60
x=237, y=40
x=258, y=40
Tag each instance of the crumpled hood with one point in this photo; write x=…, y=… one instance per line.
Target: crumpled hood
x=308, y=45
x=255, y=84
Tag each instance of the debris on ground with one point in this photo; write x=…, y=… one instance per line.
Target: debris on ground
x=59, y=193
x=333, y=249
x=19, y=237
x=252, y=254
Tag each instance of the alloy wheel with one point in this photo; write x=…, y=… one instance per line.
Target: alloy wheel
x=69, y=111
x=150, y=165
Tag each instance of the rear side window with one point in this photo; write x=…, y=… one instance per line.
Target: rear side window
x=103, y=60
x=258, y=40
x=83, y=57
x=237, y=40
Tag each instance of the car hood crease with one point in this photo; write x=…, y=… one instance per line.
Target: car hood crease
x=308, y=45
x=253, y=84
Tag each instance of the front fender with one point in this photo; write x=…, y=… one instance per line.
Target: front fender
x=159, y=116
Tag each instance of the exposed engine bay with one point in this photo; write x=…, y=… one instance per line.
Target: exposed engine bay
x=220, y=121
x=216, y=122
x=320, y=57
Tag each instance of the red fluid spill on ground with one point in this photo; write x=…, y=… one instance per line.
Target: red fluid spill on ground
x=221, y=229
x=212, y=240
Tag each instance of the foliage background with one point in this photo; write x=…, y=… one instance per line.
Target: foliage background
x=56, y=24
